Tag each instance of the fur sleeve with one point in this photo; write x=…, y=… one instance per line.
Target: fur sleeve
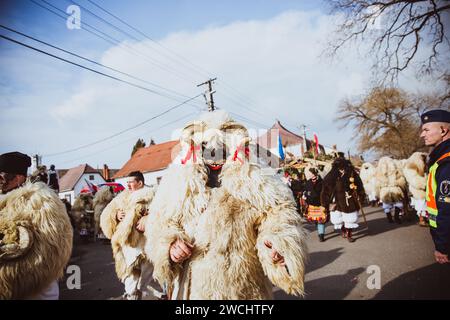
x=161, y=232
x=108, y=221
x=282, y=226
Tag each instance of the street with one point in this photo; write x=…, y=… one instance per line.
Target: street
x=402, y=255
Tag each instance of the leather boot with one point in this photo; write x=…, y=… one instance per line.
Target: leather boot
x=349, y=236
x=389, y=217
x=321, y=237
x=344, y=232
x=423, y=222
x=397, y=215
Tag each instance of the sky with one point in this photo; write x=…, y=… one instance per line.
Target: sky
x=266, y=55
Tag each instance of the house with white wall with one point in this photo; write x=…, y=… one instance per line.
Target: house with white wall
x=75, y=179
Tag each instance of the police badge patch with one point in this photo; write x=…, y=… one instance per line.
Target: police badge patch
x=444, y=188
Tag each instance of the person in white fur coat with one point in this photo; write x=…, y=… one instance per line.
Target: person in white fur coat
x=414, y=171
x=221, y=229
x=123, y=221
x=368, y=177
x=392, y=185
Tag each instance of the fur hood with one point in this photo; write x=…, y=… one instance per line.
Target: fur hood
x=37, y=241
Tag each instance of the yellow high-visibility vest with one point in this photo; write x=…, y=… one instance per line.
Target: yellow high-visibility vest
x=431, y=191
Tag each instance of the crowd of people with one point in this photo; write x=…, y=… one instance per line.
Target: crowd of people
x=217, y=226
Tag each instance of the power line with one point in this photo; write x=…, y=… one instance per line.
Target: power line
x=87, y=68
x=129, y=139
x=199, y=69
x=91, y=61
x=114, y=41
x=168, y=50
x=115, y=27
x=123, y=131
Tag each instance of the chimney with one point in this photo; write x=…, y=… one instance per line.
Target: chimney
x=105, y=172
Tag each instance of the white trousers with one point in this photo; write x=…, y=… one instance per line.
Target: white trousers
x=387, y=207
x=420, y=206
x=372, y=196
x=339, y=218
x=143, y=282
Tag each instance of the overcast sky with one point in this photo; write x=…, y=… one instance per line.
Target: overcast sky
x=265, y=55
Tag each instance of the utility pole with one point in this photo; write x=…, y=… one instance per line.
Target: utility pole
x=210, y=93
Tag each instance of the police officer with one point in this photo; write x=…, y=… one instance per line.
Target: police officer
x=436, y=133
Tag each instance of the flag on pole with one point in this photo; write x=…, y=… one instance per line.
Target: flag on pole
x=92, y=187
x=280, y=148
x=316, y=141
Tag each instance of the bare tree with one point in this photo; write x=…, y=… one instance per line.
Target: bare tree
x=397, y=31
x=386, y=121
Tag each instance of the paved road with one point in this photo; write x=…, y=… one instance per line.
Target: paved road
x=337, y=269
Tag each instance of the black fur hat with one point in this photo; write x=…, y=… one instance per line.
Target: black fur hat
x=15, y=163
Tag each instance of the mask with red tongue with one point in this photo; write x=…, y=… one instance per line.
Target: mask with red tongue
x=215, y=167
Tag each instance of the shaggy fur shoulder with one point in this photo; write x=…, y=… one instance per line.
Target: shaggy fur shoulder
x=279, y=223
x=415, y=174
x=38, y=209
x=368, y=178
x=135, y=205
x=101, y=200
x=278, y=220
x=169, y=210
x=390, y=180
x=108, y=220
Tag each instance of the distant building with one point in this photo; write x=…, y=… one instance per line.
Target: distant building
x=71, y=183
x=292, y=143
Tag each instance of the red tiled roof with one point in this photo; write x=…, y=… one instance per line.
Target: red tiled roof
x=71, y=177
x=152, y=158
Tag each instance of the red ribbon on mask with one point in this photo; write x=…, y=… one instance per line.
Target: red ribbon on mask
x=191, y=153
x=239, y=149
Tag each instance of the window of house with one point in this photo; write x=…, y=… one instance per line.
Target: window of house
x=68, y=198
x=158, y=180
x=91, y=177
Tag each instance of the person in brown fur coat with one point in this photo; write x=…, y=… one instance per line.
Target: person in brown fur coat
x=35, y=234
x=344, y=185
x=123, y=221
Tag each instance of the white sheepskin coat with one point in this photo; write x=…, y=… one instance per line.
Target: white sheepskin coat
x=227, y=226
x=124, y=233
x=368, y=177
x=390, y=180
x=33, y=214
x=415, y=174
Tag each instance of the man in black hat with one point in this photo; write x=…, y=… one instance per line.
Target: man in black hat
x=13, y=170
x=436, y=133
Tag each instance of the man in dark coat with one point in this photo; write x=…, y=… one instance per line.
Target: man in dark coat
x=313, y=189
x=344, y=185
